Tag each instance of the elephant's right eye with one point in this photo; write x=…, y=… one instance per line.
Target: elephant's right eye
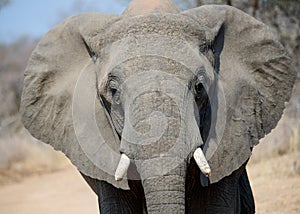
x=199, y=88
x=114, y=91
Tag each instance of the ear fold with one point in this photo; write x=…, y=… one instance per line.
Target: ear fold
x=60, y=81
x=257, y=77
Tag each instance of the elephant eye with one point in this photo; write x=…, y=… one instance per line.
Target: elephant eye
x=199, y=88
x=205, y=46
x=113, y=91
x=113, y=87
x=201, y=95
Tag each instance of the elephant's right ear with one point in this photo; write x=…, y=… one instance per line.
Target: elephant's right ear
x=59, y=103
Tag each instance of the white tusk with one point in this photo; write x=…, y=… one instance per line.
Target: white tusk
x=122, y=167
x=202, y=162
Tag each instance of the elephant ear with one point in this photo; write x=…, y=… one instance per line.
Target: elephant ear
x=59, y=103
x=257, y=78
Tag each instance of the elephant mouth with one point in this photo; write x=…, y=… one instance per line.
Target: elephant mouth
x=198, y=155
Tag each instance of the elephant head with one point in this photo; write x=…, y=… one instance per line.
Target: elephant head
x=160, y=87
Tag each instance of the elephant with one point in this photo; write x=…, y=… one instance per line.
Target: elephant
x=159, y=109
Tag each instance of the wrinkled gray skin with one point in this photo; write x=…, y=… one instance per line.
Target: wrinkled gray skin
x=167, y=82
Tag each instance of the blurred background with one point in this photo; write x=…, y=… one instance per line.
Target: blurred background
x=31, y=172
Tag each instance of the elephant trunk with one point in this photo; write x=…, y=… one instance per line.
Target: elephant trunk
x=164, y=193
x=154, y=138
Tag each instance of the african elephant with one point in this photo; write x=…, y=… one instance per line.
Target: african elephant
x=159, y=109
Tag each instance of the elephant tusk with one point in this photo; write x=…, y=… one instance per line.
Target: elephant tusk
x=202, y=162
x=122, y=167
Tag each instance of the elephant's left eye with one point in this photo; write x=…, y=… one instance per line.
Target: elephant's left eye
x=113, y=91
x=113, y=87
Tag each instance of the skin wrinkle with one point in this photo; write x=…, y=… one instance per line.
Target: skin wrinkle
x=167, y=137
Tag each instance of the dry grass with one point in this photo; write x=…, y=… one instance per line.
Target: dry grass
x=284, y=139
x=274, y=170
x=276, y=184
x=23, y=156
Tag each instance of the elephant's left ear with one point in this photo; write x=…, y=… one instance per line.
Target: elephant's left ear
x=257, y=78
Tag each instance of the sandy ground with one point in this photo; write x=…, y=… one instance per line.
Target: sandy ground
x=61, y=192
x=275, y=182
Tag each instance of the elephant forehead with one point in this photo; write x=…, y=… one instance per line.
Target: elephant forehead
x=143, y=65
x=171, y=25
x=142, y=53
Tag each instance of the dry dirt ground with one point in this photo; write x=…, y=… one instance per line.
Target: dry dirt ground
x=275, y=182
x=60, y=192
